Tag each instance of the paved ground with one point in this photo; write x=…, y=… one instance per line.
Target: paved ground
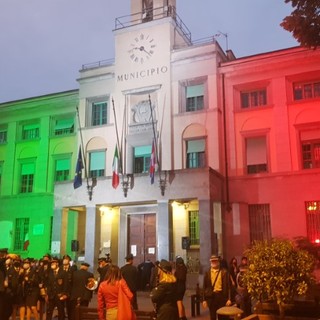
x=145, y=304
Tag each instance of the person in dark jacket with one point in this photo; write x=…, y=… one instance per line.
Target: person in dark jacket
x=104, y=264
x=29, y=282
x=14, y=288
x=57, y=290
x=216, y=287
x=80, y=292
x=164, y=295
x=181, y=276
x=130, y=274
x=5, y=307
x=68, y=268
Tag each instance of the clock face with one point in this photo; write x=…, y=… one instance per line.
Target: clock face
x=141, y=48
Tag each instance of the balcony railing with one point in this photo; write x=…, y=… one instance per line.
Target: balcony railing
x=153, y=14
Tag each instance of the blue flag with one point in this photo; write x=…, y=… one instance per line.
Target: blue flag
x=77, y=182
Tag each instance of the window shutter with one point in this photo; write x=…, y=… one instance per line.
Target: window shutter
x=97, y=160
x=64, y=124
x=196, y=146
x=195, y=91
x=27, y=168
x=256, y=151
x=310, y=135
x=62, y=164
x=142, y=151
x=31, y=126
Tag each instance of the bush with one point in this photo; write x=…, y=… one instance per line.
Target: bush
x=278, y=271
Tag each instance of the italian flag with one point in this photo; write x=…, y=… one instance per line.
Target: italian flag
x=115, y=169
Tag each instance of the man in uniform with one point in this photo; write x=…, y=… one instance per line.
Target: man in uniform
x=57, y=290
x=81, y=292
x=130, y=274
x=68, y=269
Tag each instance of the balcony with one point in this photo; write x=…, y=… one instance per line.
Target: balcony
x=151, y=15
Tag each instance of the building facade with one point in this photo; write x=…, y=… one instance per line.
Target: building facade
x=37, y=138
x=273, y=129
x=234, y=142
x=161, y=88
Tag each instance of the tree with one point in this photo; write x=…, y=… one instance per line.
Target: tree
x=304, y=22
x=278, y=271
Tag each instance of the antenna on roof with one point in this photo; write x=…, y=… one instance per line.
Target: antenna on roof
x=225, y=36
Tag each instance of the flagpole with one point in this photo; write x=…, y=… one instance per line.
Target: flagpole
x=82, y=148
x=154, y=134
x=162, y=181
x=117, y=136
x=94, y=180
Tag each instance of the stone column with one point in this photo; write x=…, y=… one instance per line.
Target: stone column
x=164, y=227
x=207, y=237
x=90, y=243
x=56, y=232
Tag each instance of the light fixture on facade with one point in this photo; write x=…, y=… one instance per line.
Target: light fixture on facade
x=91, y=186
x=163, y=182
x=126, y=183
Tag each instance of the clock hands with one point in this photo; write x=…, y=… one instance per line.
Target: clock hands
x=143, y=49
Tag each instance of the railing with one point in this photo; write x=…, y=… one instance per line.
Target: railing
x=97, y=64
x=142, y=17
x=154, y=14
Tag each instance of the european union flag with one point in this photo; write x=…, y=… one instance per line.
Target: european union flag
x=77, y=182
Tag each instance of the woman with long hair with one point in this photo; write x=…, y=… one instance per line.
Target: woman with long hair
x=109, y=294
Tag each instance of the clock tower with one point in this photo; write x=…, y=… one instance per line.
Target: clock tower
x=144, y=42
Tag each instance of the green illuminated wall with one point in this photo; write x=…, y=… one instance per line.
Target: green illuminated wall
x=30, y=214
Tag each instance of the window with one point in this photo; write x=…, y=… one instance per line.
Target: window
x=310, y=146
x=99, y=113
x=30, y=131
x=259, y=222
x=194, y=97
x=313, y=221
x=62, y=172
x=194, y=229
x=3, y=135
x=256, y=153
x=193, y=94
x=21, y=234
x=311, y=154
x=196, y=153
x=254, y=98
x=309, y=90
x=142, y=156
x=97, y=164
x=27, y=176
x=63, y=126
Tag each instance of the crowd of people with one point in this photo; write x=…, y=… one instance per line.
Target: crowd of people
x=33, y=288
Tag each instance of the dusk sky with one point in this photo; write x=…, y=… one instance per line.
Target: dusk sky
x=44, y=43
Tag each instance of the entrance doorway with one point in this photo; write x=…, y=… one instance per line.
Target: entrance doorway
x=142, y=237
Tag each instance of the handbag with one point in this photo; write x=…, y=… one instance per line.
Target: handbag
x=125, y=311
